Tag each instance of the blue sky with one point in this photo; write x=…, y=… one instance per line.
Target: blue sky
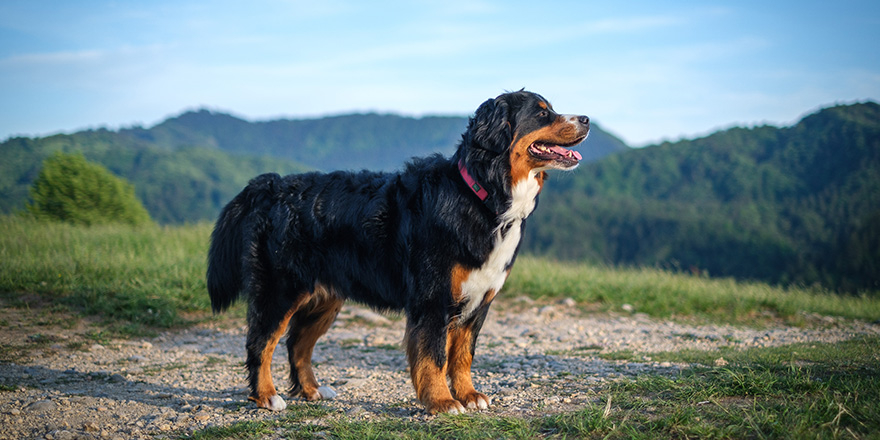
x=644, y=70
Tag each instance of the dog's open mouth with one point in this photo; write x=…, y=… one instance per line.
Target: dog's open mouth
x=556, y=153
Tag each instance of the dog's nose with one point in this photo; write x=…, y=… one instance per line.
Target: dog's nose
x=584, y=120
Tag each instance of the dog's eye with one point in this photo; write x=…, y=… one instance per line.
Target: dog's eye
x=543, y=114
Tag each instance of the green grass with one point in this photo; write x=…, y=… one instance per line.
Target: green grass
x=798, y=391
x=792, y=392
x=152, y=276
x=664, y=294
x=130, y=276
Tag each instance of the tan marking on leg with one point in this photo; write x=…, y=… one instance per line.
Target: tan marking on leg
x=460, y=360
x=429, y=379
x=265, y=385
x=324, y=314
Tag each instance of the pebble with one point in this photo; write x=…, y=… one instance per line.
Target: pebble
x=41, y=406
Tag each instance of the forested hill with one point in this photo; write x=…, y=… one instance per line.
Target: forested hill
x=187, y=167
x=798, y=204
x=347, y=142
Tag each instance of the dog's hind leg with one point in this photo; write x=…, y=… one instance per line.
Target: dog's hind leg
x=306, y=326
x=266, y=325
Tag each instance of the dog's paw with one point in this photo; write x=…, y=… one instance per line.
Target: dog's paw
x=320, y=393
x=475, y=400
x=448, y=406
x=272, y=403
x=326, y=392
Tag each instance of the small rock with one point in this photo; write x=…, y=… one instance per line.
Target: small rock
x=96, y=347
x=202, y=416
x=355, y=411
x=568, y=302
x=507, y=391
x=91, y=427
x=116, y=378
x=137, y=358
x=41, y=406
x=627, y=308
x=61, y=435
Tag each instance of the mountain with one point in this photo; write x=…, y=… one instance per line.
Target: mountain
x=186, y=168
x=799, y=204
x=348, y=142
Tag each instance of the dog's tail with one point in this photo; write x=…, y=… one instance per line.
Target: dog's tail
x=236, y=251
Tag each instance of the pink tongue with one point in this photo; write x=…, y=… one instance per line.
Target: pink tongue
x=564, y=152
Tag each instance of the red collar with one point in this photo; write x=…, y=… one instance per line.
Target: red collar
x=472, y=184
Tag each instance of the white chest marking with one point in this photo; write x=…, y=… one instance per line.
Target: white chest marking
x=492, y=274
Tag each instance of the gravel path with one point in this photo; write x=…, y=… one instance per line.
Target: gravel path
x=531, y=358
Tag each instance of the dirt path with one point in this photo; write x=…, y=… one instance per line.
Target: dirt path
x=531, y=358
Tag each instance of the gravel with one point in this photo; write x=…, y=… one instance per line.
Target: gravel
x=531, y=358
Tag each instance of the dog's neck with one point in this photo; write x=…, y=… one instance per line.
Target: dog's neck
x=478, y=189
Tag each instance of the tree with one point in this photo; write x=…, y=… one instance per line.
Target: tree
x=71, y=189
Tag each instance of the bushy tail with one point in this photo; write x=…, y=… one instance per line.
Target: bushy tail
x=237, y=239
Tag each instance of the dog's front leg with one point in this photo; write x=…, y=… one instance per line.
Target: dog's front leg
x=426, y=348
x=462, y=339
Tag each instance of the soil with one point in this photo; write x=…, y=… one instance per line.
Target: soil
x=59, y=379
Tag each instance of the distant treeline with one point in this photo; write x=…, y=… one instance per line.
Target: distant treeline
x=176, y=186
x=786, y=205
x=187, y=167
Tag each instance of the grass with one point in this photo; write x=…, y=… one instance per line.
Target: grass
x=131, y=277
x=154, y=277
x=665, y=294
x=799, y=391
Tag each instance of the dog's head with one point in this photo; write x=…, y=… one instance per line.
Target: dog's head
x=518, y=135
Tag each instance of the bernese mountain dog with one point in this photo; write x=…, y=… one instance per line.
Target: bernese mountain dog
x=436, y=240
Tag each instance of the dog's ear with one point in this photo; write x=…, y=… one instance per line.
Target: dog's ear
x=490, y=127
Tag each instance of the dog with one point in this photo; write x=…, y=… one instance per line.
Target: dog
x=436, y=240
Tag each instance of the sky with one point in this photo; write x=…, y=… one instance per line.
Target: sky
x=646, y=71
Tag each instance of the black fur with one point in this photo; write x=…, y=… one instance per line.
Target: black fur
x=388, y=240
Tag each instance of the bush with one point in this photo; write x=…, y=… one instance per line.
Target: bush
x=71, y=189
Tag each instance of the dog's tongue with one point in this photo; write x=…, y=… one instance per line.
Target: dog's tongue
x=564, y=152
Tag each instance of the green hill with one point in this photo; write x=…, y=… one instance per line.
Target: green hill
x=346, y=142
x=790, y=205
x=187, y=167
x=176, y=186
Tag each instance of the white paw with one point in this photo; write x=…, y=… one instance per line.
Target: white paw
x=326, y=393
x=484, y=403
x=455, y=410
x=480, y=403
x=276, y=403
